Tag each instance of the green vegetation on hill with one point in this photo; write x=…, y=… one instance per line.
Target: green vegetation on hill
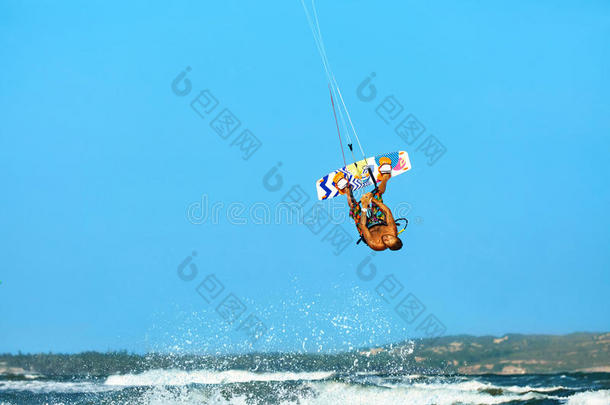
x=510, y=354
x=517, y=354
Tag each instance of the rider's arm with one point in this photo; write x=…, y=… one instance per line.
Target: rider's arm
x=364, y=230
x=350, y=198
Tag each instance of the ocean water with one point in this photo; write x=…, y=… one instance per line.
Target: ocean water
x=173, y=386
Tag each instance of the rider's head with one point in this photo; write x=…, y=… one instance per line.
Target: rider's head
x=392, y=242
x=340, y=182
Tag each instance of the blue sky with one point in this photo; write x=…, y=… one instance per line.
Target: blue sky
x=100, y=161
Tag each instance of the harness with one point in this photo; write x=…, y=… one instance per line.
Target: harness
x=374, y=221
x=373, y=224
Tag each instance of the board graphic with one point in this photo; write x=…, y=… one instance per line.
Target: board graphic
x=358, y=175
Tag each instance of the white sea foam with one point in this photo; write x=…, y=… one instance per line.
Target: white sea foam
x=332, y=393
x=179, y=377
x=601, y=397
x=54, y=386
x=437, y=394
x=174, y=387
x=478, y=386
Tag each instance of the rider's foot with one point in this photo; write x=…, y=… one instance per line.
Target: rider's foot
x=385, y=165
x=341, y=182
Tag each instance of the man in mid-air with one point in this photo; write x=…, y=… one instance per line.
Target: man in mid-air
x=379, y=229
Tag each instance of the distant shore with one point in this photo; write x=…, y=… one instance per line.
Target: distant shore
x=511, y=354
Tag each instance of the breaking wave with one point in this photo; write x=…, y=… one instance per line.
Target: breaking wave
x=179, y=377
x=173, y=386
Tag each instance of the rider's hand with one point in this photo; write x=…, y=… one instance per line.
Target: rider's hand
x=366, y=200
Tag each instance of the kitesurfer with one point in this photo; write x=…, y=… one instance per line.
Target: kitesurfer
x=379, y=229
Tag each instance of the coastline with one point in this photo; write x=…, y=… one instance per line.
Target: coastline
x=511, y=354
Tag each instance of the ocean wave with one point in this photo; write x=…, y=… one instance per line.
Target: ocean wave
x=478, y=386
x=180, y=378
x=601, y=397
x=169, y=387
x=419, y=394
x=45, y=387
x=330, y=393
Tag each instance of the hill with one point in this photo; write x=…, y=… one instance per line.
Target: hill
x=511, y=353
x=508, y=354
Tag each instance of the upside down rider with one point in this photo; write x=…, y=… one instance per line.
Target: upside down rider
x=378, y=230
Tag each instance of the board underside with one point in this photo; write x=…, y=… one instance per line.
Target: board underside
x=358, y=174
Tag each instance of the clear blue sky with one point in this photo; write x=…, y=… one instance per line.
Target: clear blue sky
x=99, y=161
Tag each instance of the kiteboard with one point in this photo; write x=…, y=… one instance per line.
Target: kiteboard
x=358, y=173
